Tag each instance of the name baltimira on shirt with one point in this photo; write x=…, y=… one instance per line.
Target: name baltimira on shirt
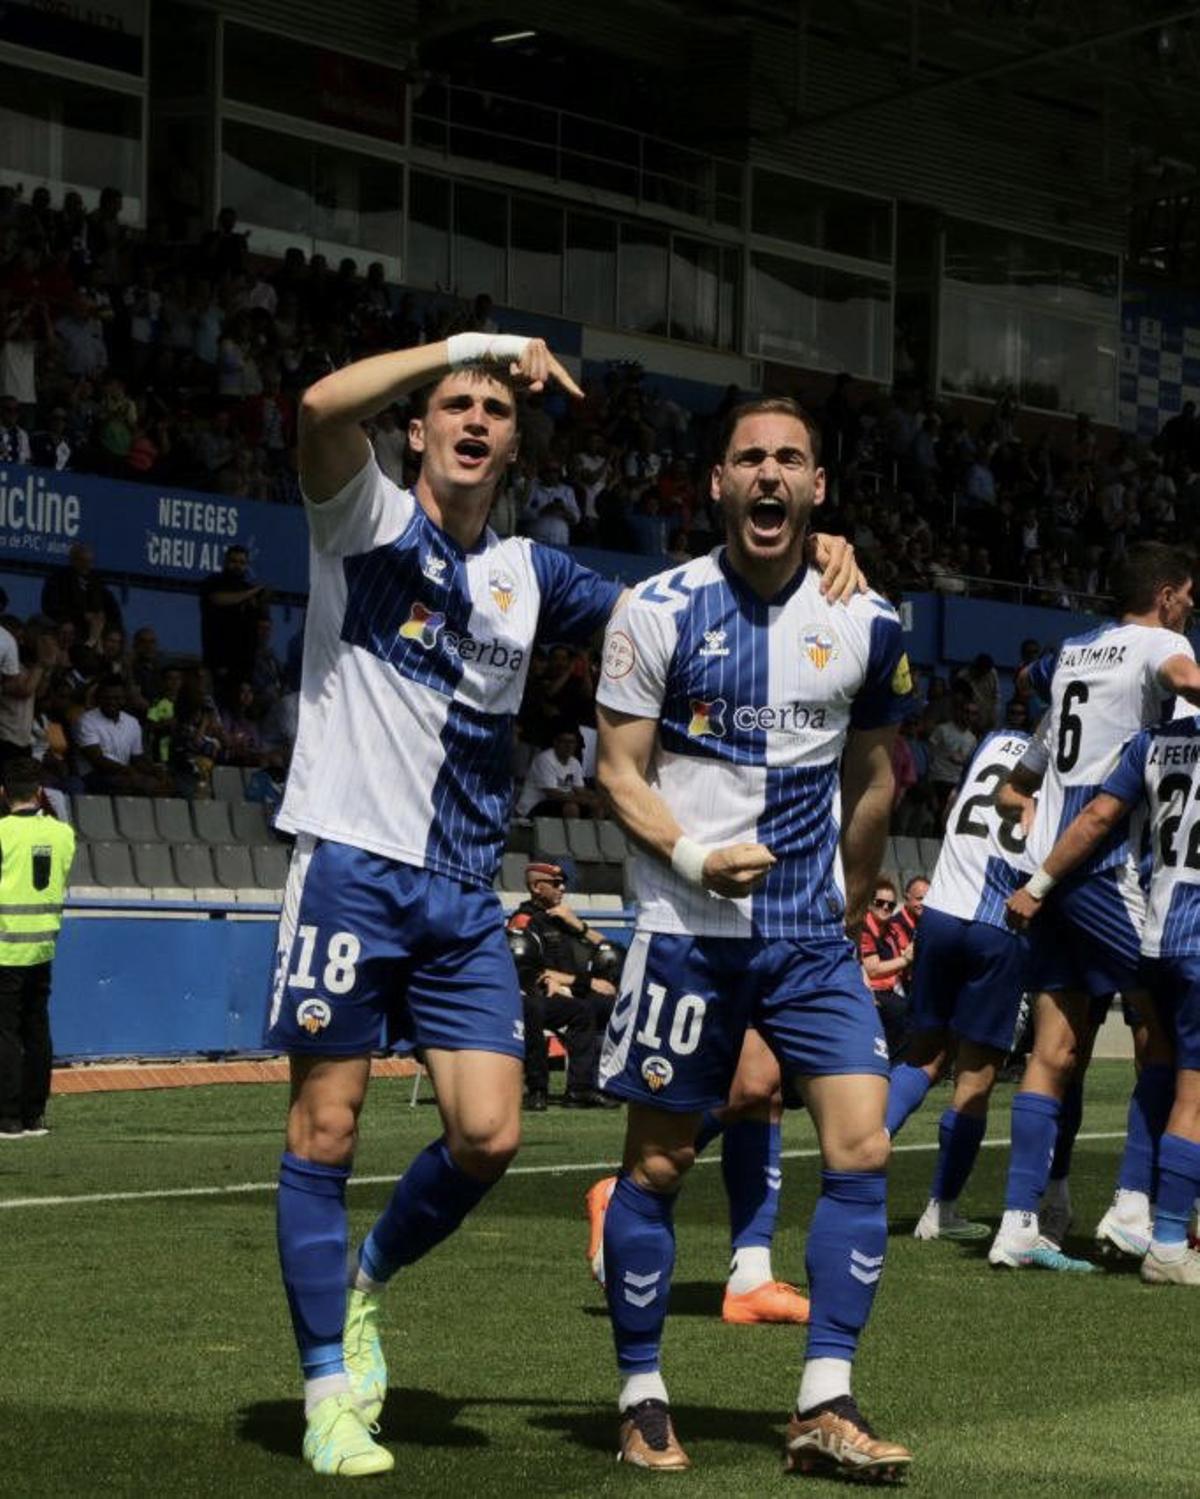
x=1078, y=657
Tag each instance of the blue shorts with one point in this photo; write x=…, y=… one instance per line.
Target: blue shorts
x=968, y=977
x=1174, y=986
x=677, y=1028
x=365, y=940
x=1089, y=936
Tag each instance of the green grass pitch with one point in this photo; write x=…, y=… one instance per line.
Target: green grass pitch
x=146, y=1349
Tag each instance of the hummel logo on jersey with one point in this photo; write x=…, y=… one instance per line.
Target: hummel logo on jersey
x=422, y=625
x=881, y=1050
x=434, y=568
x=714, y=644
x=865, y=1267
x=707, y=718
x=820, y=647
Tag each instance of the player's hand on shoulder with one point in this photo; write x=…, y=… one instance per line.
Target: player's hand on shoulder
x=1021, y=908
x=537, y=366
x=841, y=576
x=737, y=869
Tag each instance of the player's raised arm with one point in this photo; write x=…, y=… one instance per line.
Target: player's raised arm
x=1181, y=675
x=624, y=751
x=868, y=785
x=333, y=446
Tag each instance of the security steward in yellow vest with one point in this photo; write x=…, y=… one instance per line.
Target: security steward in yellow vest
x=36, y=851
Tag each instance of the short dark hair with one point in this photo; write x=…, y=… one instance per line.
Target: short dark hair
x=771, y=406
x=913, y=879
x=1145, y=569
x=478, y=369
x=22, y=778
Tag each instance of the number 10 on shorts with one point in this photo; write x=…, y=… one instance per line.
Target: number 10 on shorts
x=686, y=1023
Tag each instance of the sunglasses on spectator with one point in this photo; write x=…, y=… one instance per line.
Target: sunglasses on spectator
x=884, y=905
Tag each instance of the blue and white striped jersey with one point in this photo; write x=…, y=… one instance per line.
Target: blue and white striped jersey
x=1102, y=687
x=1159, y=770
x=754, y=700
x=415, y=658
x=983, y=858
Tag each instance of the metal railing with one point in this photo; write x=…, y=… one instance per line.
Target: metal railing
x=1001, y=590
x=465, y=122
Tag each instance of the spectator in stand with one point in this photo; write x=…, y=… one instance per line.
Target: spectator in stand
x=25, y=329
x=160, y=717
x=231, y=604
x=75, y=593
x=885, y=948
x=111, y=757
x=980, y=681
x=591, y=469
x=80, y=336
x=269, y=419
x=197, y=738
x=390, y=442
x=51, y=447
x=26, y=663
x=551, y=509
x=555, y=786
x=243, y=740
x=14, y=440
x=951, y=746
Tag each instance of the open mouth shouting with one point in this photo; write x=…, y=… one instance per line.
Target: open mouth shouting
x=767, y=518
x=472, y=452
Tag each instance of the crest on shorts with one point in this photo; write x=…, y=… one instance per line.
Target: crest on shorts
x=502, y=588
x=657, y=1073
x=820, y=647
x=313, y=1014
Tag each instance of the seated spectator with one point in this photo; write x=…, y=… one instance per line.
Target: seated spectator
x=111, y=756
x=551, y=509
x=75, y=593
x=555, y=786
x=951, y=746
x=243, y=741
x=145, y=665
x=886, y=949
x=160, y=716
x=980, y=682
x=14, y=440
x=50, y=447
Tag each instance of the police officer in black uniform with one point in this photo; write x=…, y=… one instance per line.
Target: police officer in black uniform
x=568, y=976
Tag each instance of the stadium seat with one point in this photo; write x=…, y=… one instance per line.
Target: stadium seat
x=152, y=863
x=614, y=846
x=250, y=823
x=193, y=865
x=94, y=819
x=135, y=819
x=173, y=820
x=512, y=872
x=233, y=866
x=212, y=823
x=583, y=841
x=227, y=783
x=930, y=849
x=550, y=837
x=906, y=854
x=81, y=866
x=270, y=867
x=112, y=865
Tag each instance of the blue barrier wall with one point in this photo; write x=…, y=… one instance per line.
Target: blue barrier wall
x=128, y=986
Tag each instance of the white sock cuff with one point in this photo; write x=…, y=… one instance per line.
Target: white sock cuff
x=823, y=1379
x=638, y=1387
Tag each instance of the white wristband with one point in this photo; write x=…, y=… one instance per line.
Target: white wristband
x=687, y=859
x=497, y=348
x=1040, y=883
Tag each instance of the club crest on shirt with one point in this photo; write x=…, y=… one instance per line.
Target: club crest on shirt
x=502, y=588
x=422, y=625
x=707, y=718
x=313, y=1014
x=434, y=568
x=657, y=1073
x=714, y=644
x=820, y=647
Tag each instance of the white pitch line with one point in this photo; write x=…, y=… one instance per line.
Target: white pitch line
x=241, y=1188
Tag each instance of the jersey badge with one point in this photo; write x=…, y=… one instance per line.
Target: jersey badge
x=902, y=683
x=434, y=568
x=313, y=1014
x=714, y=644
x=820, y=647
x=619, y=655
x=422, y=625
x=707, y=718
x=657, y=1073
x=503, y=589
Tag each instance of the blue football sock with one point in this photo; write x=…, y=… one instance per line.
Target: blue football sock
x=906, y=1094
x=844, y=1255
x=428, y=1203
x=639, y=1255
x=1149, y=1109
x=310, y=1222
x=710, y=1127
x=750, y=1164
x=1178, y=1188
x=1034, y=1124
x=1069, y=1121
x=959, y=1139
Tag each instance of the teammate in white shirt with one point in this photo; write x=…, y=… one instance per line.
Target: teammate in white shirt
x=416, y=650
x=1159, y=770
x=968, y=978
x=1103, y=687
x=729, y=692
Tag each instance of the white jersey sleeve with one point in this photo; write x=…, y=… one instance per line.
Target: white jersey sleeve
x=368, y=511
x=638, y=646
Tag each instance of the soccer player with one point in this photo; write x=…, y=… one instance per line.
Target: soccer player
x=730, y=692
x=968, y=978
x=1103, y=687
x=416, y=650
x=1159, y=770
